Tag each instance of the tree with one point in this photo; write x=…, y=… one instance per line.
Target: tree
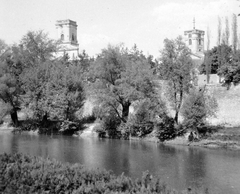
x=36, y=47
x=219, y=31
x=121, y=77
x=197, y=107
x=53, y=89
x=176, y=68
x=217, y=57
x=10, y=85
x=227, y=32
x=234, y=33
x=230, y=71
x=67, y=91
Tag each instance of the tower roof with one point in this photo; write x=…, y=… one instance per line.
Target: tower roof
x=66, y=22
x=194, y=31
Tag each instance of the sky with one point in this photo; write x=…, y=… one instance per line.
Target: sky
x=145, y=23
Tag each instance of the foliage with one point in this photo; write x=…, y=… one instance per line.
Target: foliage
x=36, y=47
x=144, y=118
x=54, y=89
x=10, y=85
x=120, y=78
x=69, y=127
x=231, y=73
x=110, y=125
x=223, y=61
x=165, y=128
x=197, y=107
x=176, y=67
x=25, y=174
x=216, y=58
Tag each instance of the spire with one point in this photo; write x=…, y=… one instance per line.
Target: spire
x=194, y=23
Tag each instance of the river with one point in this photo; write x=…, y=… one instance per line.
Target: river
x=179, y=166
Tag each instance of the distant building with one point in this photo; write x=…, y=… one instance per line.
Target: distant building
x=195, y=41
x=67, y=34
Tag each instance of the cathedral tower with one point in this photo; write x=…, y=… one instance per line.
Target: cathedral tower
x=67, y=33
x=195, y=40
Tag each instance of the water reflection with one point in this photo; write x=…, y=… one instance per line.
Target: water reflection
x=180, y=167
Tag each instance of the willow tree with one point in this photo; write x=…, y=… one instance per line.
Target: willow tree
x=176, y=68
x=121, y=77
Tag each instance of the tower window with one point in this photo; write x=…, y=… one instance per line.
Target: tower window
x=62, y=36
x=73, y=38
x=190, y=42
x=199, y=42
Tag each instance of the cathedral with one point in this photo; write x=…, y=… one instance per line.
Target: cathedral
x=67, y=34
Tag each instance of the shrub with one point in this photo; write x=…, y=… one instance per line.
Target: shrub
x=196, y=108
x=70, y=127
x=143, y=120
x=25, y=174
x=110, y=124
x=165, y=128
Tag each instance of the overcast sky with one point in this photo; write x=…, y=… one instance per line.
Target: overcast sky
x=100, y=22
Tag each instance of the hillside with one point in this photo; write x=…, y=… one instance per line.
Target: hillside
x=229, y=105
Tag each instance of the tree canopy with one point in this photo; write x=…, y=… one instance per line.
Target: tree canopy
x=176, y=67
x=121, y=77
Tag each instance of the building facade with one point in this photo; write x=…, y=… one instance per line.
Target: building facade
x=67, y=34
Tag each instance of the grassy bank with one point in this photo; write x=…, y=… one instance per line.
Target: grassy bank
x=25, y=174
x=224, y=137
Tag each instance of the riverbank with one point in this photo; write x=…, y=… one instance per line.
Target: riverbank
x=228, y=138
x=26, y=174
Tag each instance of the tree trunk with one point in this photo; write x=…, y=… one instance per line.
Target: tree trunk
x=45, y=120
x=125, y=111
x=176, y=117
x=14, y=117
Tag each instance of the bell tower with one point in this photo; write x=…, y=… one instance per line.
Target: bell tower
x=67, y=33
x=195, y=40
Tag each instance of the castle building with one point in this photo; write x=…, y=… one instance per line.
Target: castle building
x=67, y=34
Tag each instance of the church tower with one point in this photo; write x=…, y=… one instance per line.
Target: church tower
x=67, y=33
x=195, y=40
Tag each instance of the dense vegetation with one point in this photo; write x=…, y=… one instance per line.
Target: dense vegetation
x=223, y=59
x=24, y=174
x=50, y=89
x=124, y=83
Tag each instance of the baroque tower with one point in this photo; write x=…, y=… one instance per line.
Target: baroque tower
x=67, y=33
x=195, y=40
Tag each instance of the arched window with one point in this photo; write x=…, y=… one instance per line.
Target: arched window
x=73, y=38
x=199, y=42
x=190, y=41
x=62, y=36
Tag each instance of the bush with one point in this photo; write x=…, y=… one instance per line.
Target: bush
x=165, y=129
x=110, y=124
x=142, y=122
x=70, y=127
x=25, y=174
x=196, y=108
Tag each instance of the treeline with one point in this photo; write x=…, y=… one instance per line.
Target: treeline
x=130, y=89
x=224, y=59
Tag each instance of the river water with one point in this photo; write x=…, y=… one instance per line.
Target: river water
x=179, y=166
